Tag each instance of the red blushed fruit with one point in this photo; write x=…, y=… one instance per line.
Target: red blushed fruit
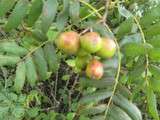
x=68, y=42
x=91, y=42
x=94, y=69
x=108, y=48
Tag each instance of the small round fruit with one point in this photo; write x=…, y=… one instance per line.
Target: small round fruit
x=91, y=42
x=68, y=42
x=108, y=48
x=82, y=52
x=94, y=69
x=81, y=61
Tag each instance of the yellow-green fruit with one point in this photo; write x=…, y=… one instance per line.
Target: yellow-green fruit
x=68, y=42
x=82, y=52
x=91, y=42
x=108, y=48
x=94, y=69
x=81, y=61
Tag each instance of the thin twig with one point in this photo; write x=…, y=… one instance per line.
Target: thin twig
x=144, y=41
x=117, y=75
x=102, y=8
x=106, y=11
x=55, y=87
x=91, y=7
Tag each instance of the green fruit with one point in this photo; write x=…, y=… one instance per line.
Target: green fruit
x=94, y=69
x=81, y=61
x=91, y=42
x=68, y=42
x=108, y=48
x=82, y=52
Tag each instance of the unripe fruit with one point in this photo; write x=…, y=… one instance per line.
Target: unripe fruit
x=68, y=42
x=94, y=69
x=82, y=52
x=108, y=48
x=81, y=61
x=91, y=42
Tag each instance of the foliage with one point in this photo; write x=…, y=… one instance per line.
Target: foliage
x=39, y=82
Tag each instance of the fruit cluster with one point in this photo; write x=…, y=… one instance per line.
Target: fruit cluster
x=85, y=48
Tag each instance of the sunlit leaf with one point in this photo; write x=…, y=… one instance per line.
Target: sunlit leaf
x=20, y=77
x=152, y=104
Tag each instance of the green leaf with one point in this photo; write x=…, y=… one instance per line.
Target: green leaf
x=3, y=111
x=29, y=42
x=101, y=29
x=93, y=110
x=152, y=30
x=52, y=34
x=18, y=112
x=135, y=49
x=84, y=118
x=95, y=97
x=71, y=62
x=42, y=116
x=128, y=107
x=118, y=114
x=70, y=116
x=150, y=16
x=48, y=14
x=33, y=112
x=5, y=6
x=98, y=117
x=74, y=9
x=17, y=15
x=152, y=104
x=155, y=41
x=155, y=80
x=41, y=64
x=52, y=115
x=155, y=71
x=85, y=82
x=31, y=73
x=63, y=16
x=154, y=54
x=13, y=48
x=155, y=83
x=134, y=38
x=125, y=28
x=20, y=77
x=8, y=60
x=136, y=73
x=51, y=57
x=34, y=12
x=124, y=12
x=39, y=35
